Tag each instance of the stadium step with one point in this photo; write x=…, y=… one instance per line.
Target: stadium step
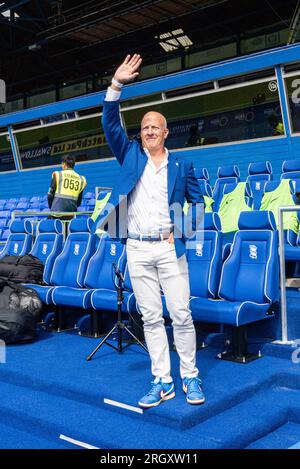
x=286, y=436
x=46, y=417
x=251, y=423
x=13, y=438
x=37, y=419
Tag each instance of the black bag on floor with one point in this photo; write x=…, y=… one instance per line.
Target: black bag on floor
x=20, y=309
x=22, y=269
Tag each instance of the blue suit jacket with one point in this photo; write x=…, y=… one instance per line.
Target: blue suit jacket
x=182, y=183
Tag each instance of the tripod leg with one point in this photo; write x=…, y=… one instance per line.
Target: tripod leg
x=135, y=338
x=101, y=343
x=120, y=346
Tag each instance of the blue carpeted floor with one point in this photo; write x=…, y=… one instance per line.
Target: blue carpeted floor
x=47, y=388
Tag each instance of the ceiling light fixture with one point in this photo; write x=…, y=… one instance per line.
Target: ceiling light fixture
x=174, y=40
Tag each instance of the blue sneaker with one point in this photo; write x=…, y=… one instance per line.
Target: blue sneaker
x=158, y=393
x=192, y=388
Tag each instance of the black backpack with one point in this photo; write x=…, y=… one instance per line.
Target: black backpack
x=20, y=310
x=22, y=269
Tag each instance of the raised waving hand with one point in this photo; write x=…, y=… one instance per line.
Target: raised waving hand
x=128, y=70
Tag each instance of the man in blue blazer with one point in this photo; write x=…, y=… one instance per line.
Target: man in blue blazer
x=146, y=210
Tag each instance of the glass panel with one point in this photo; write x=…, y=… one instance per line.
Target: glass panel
x=169, y=66
x=264, y=41
x=211, y=55
x=12, y=106
x=45, y=146
x=41, y=98
x=6, y=157
x=143, y=100
x=241, y=113
x=72, y=90
x=293, y=92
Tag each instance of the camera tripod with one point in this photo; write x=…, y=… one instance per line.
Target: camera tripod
x=119, y=326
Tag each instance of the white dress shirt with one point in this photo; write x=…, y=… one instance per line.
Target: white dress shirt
x=148, y=207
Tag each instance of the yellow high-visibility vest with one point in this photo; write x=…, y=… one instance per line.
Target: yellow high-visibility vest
x=279, y=129
x=69, y=184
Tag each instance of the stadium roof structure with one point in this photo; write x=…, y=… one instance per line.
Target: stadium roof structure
x=59, y=41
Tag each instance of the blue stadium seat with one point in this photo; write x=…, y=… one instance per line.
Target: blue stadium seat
x=78, y=296
x=88, y=195
x=205, y=187
x=292, y=251
x=100, y=280
x=91, y=204
x=258, y=175
x=70, y=266
x=48, y=245
x=22, y=206
x=5, y=214
x=35, y=200
x=249, y=285
x=19, y=240
x=289, y=235
x=225, y=175
x=290, y=169
x=100, y=283
x=44, y=204
x=5, y=234
x=35, y=205
x=204, y=256
x=202, y=174
x=236, y=199
x=101, y=277
x=10, y=206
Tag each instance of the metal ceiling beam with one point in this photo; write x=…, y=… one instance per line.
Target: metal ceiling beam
x=12, y=5
x=15, y=25
x=294, y=26
x=118, y=36
x=102, y=18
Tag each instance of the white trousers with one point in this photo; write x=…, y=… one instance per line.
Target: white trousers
x=153, y=264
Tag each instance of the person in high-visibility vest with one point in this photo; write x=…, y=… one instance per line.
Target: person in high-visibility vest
x=66, y=188
x=277, y=126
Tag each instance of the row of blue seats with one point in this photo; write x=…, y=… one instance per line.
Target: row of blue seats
x=238, y=291
x=38, y=199
x=7, y=209
x=41, y=202
x=259, y=174
x=254, y=169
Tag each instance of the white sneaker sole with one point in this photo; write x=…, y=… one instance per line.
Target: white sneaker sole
x=165, y=398
x=189, y=401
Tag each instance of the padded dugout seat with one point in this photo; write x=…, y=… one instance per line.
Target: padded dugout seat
x=19, y=240
x=48, y=245
x=291, y=169
x=258, y=175
x=100, y=292
x=204, y=257
x=292, y=252
x=102, y=278
x=290, y=236
x=249, y=285
x=201, y=174
x=226, y=175
x=70, y=266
